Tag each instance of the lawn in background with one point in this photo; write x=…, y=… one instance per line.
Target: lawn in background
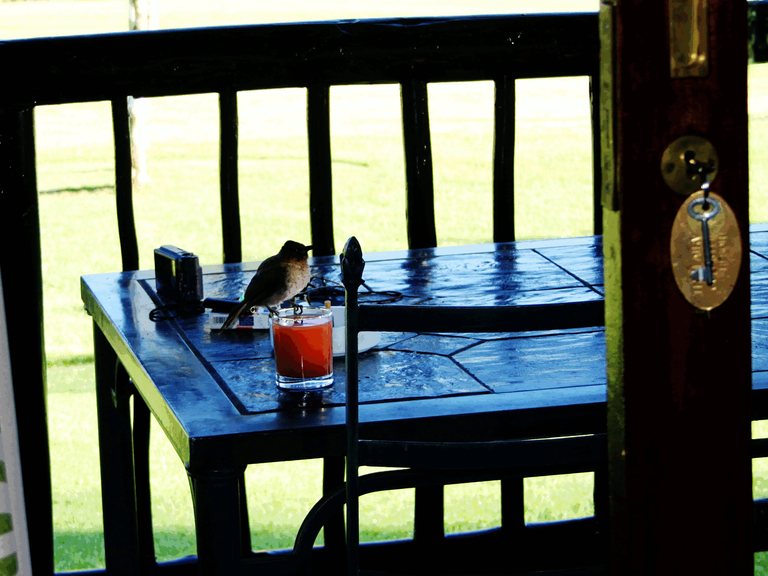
x=180, y=206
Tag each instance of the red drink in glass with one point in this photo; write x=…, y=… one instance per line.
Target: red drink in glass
x=303, y=346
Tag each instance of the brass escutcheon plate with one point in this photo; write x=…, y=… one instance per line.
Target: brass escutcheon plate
x=674, y=167
x=687, y=251
x=688, y=38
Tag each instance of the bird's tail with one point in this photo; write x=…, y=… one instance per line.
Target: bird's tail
x=233, y=315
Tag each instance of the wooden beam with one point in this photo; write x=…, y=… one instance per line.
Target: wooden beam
x=679, y=377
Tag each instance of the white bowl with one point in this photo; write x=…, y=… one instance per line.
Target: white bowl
x=365, y=340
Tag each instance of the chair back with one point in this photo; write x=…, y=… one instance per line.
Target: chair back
x=458, y=461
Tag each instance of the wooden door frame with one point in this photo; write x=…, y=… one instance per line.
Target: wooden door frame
x=679, y=378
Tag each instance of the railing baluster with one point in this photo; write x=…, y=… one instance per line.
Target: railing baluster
x=321, y=228
x=420, y=217
x=504, y=160
x=231, y=232
x=126, y=225
x=228, y=176
x=129, y=250
x=420, y=196
x=320, y=171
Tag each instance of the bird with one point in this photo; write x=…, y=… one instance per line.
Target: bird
x=277, y=279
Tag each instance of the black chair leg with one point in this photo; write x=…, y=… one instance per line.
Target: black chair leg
x=428, y=526
x=513, y=506
x=333, y=477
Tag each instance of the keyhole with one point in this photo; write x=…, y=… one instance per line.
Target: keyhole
x=685, y=159
x=695, y=168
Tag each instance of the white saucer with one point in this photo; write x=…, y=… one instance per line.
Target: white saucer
x=365, y=341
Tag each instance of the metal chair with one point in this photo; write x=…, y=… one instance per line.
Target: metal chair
x=430, y=460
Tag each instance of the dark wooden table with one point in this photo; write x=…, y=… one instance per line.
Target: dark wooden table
x=214, y=394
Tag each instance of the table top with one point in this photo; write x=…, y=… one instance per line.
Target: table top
x=215, y=397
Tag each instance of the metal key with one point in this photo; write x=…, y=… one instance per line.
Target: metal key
x=709, y=209
x=694, y=167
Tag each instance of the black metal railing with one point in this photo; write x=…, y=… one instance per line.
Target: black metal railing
x=409, y=52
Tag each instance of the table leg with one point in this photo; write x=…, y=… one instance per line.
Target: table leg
x=141, y=425
x=601, y=499
x=245, y=525
x=118, y=488
x=216, y=496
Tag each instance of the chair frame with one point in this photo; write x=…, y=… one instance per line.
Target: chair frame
x=459, y=461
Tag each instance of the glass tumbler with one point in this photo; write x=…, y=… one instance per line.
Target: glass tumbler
x=303, y=344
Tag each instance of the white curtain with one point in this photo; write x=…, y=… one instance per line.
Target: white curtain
x=14, y=544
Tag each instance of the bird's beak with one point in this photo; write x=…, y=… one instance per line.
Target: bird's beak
x=309, y=248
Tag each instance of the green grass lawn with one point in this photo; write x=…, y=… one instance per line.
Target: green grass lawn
x=179, y=206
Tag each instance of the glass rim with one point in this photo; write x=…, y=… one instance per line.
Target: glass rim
x=306, y=311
